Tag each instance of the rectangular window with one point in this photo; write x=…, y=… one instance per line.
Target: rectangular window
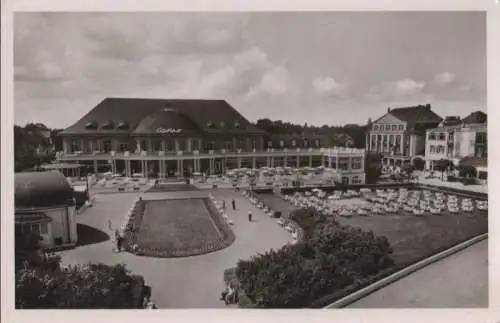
x=343, y=163
x=334, y=162
x=107, y=145
x=401, y=127
x=241, y=144
x=387, y=127
x=375, y=127
x=74, y=146
x=195, y=144
x=442, y=136
x=123, y=146
x=35, y=228
x=356, y=163
x=394, y=127
x=228, y=145
x=43, y=228
x=432, y=136
x=317, y=143
x=432, y=149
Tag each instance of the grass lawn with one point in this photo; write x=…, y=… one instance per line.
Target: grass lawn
x=414, y=238
x=182, y=224
x=276, y=203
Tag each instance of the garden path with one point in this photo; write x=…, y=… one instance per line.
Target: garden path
x=193, y=282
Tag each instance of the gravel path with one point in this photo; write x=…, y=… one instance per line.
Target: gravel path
x=194, y=282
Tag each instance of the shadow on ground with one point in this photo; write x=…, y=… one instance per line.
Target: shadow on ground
x=89, y=235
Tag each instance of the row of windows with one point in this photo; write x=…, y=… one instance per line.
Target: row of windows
x=343, y=163
x=181, y=144
x=391, y=139
x=439, y=136
x=40, y=228
x=389, y=127
x=293, y=144
x=437, y=149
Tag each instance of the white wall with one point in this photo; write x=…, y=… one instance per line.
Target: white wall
x=467, y=140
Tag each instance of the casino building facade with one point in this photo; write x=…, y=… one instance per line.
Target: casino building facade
x=171, y=137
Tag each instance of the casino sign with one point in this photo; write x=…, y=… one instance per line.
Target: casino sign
x=169, y=131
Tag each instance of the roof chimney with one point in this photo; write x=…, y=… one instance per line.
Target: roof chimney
x=428, y=106
x=388, y=109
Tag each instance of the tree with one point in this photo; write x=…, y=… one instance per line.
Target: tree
x=408, y=169
x=42, y=283
x=373, y=167
x=467, y=171
x=32, y=146
x=443, y=165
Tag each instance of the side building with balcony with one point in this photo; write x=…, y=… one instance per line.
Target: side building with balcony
x=463, y=142
x=154, y=137
x=399, y=135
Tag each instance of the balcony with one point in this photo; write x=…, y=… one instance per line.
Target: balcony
x=154, y=155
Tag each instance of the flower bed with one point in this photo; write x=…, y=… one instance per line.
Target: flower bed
x=225, y=238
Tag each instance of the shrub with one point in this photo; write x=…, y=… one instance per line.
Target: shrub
x=331, y=258
x=452, y=178
x=90, y=286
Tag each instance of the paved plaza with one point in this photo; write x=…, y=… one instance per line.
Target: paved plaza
x=460, y=280
x=193, y=282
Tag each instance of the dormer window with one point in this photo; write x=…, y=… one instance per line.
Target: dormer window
x=107, y=125
x=210, y=125
x=122, y=125
x=91, y=125
x=222, y=124
x=237, y=124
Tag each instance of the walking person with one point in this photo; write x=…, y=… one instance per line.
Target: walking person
x=233, y=202
x=119, y=242
x=249, y=216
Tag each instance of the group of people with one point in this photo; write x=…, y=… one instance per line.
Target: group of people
x=233, y=204
x=120, y=237
x=230, y=295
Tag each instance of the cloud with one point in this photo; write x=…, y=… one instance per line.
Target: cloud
x=402, y=89
x=409, y=86
x=445, y=78
x=327, y=85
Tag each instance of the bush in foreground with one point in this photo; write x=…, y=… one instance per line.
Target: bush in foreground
x=90, y=286
x=331, y=258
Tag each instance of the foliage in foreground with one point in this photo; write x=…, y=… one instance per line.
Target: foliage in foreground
x=41, y=282
x=89, y=286
x=331, y=258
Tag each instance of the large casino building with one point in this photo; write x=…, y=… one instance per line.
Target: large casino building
x=171, y=137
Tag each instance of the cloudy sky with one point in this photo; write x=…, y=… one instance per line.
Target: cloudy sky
x=321, y=68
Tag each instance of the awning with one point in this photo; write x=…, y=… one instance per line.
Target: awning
x=473, y=161
x=32, y=218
